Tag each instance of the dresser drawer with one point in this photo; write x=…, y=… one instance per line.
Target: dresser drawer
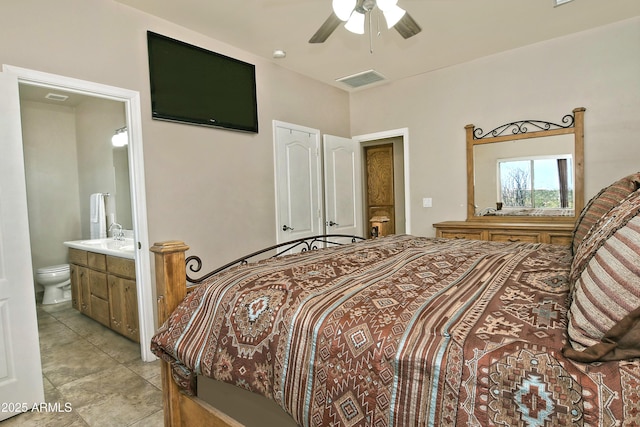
x=461, y=234
x=560, y=239
x=514, y=237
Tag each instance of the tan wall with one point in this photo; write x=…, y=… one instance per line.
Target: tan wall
x=51, y=168
x=211, y=188
x=597, y=69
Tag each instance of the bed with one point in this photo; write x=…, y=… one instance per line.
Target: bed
x=413, y=331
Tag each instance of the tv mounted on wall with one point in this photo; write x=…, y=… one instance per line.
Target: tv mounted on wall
x=197, y=86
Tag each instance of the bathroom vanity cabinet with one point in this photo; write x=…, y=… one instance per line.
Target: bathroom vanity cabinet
x=103, y=287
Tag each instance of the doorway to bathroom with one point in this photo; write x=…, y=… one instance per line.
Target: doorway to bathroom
x=124, y=106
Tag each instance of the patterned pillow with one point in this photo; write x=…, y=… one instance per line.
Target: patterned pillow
x=604, y=314
x=602, y=203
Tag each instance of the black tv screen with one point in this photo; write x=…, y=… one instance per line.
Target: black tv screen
x=197, y=86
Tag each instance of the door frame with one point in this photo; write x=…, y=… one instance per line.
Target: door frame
x=394, y=133
x=131, y=100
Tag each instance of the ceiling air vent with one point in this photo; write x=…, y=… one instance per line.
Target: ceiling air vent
x=56, y=97
x=362, y=79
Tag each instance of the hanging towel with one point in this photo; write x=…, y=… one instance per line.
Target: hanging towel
x=97, y=215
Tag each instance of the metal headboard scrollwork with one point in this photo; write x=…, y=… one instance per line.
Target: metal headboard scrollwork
x=194, y=263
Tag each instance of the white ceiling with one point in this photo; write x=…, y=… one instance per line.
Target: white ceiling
x=453, y=31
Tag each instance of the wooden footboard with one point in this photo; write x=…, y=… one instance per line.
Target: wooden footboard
x=179, y=408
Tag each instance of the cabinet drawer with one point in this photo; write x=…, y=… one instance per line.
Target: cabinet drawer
x=98, y=284
x=514, y=237
x=560, y=239
x=100, y=310
x=123, y=267
x=77, y=256
x=466, y=234
x=97, y=261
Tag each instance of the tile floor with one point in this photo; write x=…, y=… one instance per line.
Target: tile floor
x=94, y=370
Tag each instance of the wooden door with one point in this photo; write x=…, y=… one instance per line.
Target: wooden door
x=75, y=286
x=84, y=295
x=116, y=304
x=123, y=306
x=380, y=197
x=131, y=310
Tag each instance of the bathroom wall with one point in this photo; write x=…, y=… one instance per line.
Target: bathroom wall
x=69, y=155
x=51, y=165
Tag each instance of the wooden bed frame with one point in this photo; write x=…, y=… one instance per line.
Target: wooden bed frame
x=171, y=262
x=171, y=284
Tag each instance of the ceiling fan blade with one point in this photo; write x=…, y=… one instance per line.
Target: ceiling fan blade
x=407, y=26
x=326, y=29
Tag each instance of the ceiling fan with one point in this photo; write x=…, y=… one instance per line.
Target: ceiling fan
x=354, y=13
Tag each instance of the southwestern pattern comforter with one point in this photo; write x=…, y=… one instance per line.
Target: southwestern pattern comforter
x=401, y=331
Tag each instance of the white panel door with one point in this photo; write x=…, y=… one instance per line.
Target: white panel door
x=343, y=188
x=298, y=204
x=20, y=369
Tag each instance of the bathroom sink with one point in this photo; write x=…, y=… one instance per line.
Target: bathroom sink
x=93, y=242
x=122, y=248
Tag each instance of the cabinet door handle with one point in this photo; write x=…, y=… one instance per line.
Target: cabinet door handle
x=287, y=228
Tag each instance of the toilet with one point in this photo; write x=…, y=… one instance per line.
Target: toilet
x=56, y=280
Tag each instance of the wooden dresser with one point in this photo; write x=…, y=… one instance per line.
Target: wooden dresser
x=533, y=232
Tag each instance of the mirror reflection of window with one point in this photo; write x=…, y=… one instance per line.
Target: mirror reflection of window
x=537, y=182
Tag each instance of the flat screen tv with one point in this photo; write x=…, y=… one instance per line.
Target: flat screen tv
x=197, y=86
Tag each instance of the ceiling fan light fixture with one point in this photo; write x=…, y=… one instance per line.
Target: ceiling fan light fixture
x=343, y=8
x=393, y=15
x=385, y=5
x=355, y=24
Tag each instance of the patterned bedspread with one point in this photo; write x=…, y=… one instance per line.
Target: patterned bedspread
x=401, y=331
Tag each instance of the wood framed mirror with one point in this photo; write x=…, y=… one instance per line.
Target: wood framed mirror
x=526, y=171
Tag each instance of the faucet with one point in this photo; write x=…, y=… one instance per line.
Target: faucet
x=118, y=234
